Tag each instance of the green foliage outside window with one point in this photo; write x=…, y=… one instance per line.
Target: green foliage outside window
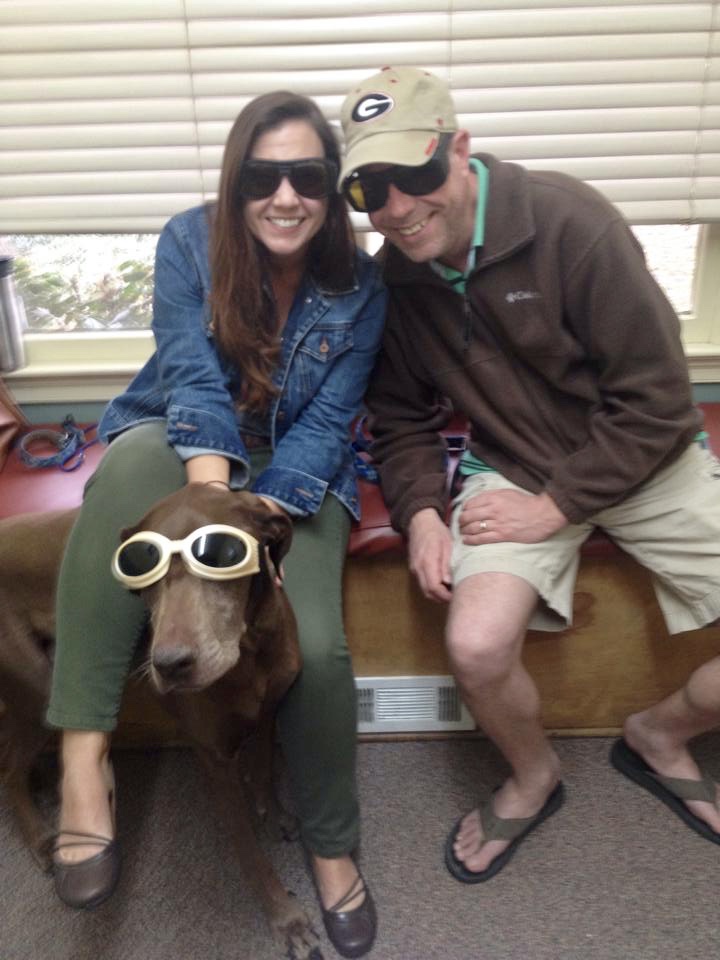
x=83, y=282
x=120, y=299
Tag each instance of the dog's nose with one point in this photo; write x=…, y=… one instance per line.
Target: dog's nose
x=174, y=664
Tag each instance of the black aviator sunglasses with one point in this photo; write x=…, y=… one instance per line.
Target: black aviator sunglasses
x=367, y=191
x=313, y=178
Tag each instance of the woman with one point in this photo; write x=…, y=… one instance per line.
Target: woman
x=267, y=321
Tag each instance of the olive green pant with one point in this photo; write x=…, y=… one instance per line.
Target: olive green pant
x=99, y=624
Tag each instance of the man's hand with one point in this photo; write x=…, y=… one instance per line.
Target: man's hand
x=429, y=550
x=500, y=515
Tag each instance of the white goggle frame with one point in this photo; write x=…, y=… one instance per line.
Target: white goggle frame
x=249, y=565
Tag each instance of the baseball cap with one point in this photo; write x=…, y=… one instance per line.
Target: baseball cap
x=395, y=116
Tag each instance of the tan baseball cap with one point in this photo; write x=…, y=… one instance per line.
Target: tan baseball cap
x=395, y=116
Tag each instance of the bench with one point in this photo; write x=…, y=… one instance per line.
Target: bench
x=615, y=659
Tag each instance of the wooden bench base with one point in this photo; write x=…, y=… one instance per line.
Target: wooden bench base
x=617, y=658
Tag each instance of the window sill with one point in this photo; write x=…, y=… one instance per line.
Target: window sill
x=703, y=362
x=77, y=367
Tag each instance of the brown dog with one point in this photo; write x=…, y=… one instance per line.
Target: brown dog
x=222, y=654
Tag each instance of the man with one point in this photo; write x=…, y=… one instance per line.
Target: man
x=524, y=299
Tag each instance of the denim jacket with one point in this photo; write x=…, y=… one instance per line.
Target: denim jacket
x=328, y=349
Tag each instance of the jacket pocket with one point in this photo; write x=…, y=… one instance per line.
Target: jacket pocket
x=323, y=343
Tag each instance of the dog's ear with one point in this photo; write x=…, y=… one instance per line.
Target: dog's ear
x=276, y=540
x=127, y=532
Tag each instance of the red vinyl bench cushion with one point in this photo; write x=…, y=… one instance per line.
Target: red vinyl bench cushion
x=27, y=490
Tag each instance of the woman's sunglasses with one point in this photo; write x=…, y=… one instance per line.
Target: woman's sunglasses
x=368, y=191
x=213, y=552
x=313, y=178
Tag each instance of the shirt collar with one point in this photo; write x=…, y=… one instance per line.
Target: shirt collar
x=455, y=277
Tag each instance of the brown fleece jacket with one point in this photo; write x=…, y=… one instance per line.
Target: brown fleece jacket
x=564, y=353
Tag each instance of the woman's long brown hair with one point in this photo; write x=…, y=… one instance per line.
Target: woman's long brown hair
x=244, y=322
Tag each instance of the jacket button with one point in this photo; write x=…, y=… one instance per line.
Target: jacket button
x=324, y=346
x=281, y=415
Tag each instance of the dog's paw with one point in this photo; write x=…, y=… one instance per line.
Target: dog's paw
x=303, y=945
x=292, y=926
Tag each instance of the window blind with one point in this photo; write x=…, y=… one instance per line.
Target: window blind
x=113, y=116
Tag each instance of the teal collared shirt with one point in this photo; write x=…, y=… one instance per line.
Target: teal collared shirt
x=456, y=278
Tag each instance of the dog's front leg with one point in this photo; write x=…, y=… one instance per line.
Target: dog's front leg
x=278, y=822
x=20, y=745
x=286, y=918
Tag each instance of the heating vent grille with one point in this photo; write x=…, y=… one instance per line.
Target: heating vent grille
x=365, y=705
x=410, y=704
x=450, y=705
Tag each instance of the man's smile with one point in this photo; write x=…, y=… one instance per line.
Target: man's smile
x=414, y=228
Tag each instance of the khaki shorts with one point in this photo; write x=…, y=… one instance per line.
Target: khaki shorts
x=671, y=525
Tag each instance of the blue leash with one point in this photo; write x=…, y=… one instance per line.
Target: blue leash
x=361, y=450
x=70, y=443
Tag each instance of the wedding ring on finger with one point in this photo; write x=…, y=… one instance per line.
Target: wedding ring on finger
x=483, y=525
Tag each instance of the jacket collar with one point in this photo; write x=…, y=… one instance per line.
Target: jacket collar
x=509, y=224
x=323, y=292
x=313, y=286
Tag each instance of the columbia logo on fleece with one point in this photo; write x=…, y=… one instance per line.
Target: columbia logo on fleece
x=516, y=295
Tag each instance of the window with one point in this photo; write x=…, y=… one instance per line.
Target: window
x=114, y=117
x=88, y=282
x=671, y=254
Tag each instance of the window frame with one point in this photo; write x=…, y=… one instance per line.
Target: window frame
x=701, y=333
x=96, y=366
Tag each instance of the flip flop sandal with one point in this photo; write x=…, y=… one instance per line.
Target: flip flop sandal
x=672, y=791
x=499, y=828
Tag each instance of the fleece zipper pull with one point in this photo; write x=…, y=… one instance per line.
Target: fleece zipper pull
x=467, y=322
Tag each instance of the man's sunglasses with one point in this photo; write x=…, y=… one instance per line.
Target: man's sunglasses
x=367, y=191
x=213, y=552
x=313, y=178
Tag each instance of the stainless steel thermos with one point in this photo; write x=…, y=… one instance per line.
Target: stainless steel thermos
x=12, y=320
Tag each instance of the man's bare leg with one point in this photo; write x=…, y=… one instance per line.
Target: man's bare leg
x=661, y=733
x=488, y=619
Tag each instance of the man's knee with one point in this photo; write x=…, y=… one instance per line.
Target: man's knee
x=484, y=637
x=483, y=652
x=484, y=648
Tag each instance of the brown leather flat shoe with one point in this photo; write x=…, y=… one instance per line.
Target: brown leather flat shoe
x=352, y=932
x=85, y=884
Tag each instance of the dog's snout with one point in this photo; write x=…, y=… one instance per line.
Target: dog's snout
x=174, y=664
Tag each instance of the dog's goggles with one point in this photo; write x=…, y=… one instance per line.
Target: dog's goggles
x=367, y=191
x=313, y=178
x=213, y=552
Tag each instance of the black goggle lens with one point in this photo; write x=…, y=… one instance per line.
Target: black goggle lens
x=138, y=558
x=367, y=192
x=219, y=550
x=313, y=179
